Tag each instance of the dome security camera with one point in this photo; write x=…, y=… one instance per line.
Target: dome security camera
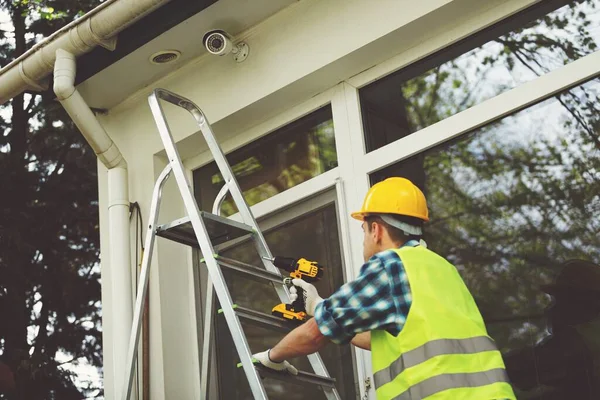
x=218, y=42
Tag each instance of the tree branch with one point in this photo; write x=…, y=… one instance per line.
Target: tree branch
x=580, y=121
x=67, y=362
x=434, y=94
x=519, y=55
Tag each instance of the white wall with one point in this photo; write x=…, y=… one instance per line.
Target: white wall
x=295, y=55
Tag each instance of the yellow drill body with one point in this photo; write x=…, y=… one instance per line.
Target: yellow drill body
x=301, y=268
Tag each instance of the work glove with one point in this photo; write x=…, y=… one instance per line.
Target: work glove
x=265, y=360
x=311, y=296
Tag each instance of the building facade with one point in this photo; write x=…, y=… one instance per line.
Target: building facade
x=491, y=107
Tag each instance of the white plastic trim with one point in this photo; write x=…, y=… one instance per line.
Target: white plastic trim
x=293, y=195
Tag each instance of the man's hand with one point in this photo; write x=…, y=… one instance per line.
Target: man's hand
x=311, y=296
x=265, y=360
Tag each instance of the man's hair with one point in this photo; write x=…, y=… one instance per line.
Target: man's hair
x=396, y=234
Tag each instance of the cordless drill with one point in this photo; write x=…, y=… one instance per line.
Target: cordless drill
x=300, y=268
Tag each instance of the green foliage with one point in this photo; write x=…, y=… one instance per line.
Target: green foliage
x=49, y=274
x=301, y=159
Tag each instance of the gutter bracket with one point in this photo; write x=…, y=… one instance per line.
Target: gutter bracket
x=109, y=44
x=39, y=86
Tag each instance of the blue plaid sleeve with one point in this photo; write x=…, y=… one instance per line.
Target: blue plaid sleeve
x=379, y=298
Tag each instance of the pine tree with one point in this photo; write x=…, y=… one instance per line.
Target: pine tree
x=50, y=313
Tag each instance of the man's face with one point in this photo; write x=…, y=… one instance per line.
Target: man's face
x=369, y=241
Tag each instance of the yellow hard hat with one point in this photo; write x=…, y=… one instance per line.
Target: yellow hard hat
x=394, y=196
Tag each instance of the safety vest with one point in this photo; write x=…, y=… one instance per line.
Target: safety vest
x=443, y=350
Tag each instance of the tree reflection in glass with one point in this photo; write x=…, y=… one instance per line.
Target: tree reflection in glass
x=315, y=237
x=410, y=100
x=282, y=159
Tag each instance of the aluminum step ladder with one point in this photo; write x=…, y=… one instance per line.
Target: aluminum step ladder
x=205, y=230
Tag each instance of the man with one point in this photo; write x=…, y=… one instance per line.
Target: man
x=408, y=305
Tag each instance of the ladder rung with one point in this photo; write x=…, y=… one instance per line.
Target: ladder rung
x=263, y=320
x=301, y=378
x=248, y=269
x=219, y=229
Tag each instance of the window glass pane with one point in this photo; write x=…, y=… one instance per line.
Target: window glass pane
x=510, y=205
x=283, y=159
x=314, y=237
x=445, y=84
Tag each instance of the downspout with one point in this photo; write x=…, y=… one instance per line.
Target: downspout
x=118, y=206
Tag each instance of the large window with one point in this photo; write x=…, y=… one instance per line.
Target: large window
x=283, y=159
x=270, y=165
x=312, y=235
x=515, y=207
x=462, y=76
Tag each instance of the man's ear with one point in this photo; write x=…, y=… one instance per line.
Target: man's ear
x=378, y=232
x=371, y=229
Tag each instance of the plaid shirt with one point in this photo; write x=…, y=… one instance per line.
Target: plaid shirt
x=379, y=298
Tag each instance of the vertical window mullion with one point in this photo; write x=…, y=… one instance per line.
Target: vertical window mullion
x=351, y=186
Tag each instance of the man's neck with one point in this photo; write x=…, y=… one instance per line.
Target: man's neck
x=390, y=244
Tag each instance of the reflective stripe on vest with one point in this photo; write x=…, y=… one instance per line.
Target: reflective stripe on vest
x=443, y=382
x=432, y=349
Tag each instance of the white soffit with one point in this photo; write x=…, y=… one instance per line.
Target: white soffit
x=134, y=71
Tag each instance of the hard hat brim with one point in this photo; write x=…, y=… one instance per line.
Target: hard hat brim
x=360, y=215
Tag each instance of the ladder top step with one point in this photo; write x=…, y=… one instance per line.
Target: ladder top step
x=219, y=229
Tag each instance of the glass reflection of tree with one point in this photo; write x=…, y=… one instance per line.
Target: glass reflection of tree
x=315, y=237
x=266, y=173
x=557, y=39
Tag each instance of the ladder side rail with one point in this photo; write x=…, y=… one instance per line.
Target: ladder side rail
x=317, y=364
x=230, y=181
x=247, y=217
x=206, y=247
x=245, y=212
x=143, y=286
x=207, y=340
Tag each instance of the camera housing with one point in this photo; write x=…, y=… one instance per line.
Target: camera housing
x=220, y=43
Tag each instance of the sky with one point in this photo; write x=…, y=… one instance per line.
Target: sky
x=4, y=25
